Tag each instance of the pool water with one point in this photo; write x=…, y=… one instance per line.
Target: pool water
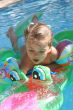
x=57, y=13
x=68, y=98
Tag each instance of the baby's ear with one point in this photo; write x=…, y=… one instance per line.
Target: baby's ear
x=26, y=32
x=50, y=44
x=35, y=19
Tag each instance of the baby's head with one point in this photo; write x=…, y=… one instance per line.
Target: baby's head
x=39, y=31
x=38, y=42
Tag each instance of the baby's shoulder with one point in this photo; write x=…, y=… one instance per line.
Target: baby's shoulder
x=54, y=53
x=52, y=56
x=53, y=50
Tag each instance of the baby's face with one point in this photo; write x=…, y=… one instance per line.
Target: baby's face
x=37, y=50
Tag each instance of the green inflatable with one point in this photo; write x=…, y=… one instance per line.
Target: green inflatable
x=22, y=26
x=68, y=34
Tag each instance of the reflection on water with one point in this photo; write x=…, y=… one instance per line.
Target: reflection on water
x=4, y=3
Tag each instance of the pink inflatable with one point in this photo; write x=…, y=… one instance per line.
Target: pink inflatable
x=25, y=101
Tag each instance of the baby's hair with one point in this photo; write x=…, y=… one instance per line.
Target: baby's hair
x=38, y=31
x=26, y=32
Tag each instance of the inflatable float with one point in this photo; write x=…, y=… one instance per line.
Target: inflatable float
x=39, y=91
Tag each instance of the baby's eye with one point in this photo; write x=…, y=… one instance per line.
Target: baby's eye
x=31, y=50
x=42, y=51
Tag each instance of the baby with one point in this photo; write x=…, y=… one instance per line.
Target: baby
x=38, y=47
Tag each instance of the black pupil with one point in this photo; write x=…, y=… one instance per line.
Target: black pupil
x=36, y=75
x=12, y=78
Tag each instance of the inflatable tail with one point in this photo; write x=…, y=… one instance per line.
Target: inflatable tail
x=22, y=26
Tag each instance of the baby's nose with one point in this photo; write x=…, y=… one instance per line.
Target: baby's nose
x=36, y=54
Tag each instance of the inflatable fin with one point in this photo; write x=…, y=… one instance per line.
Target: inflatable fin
x=68, y=34
x=21, y=27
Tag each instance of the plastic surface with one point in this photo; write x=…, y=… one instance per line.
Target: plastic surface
x=22, y=26
x=25, y=101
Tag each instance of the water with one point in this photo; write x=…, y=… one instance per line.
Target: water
x=68, y=98
x=57, y=13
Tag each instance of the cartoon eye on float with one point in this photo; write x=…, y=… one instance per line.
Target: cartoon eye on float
x=14, y=76
x=38, y=73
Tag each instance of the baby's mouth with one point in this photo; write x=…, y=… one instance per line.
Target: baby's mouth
x=36, y=60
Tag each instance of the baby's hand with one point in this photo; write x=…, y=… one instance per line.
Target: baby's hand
x=35, y=19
